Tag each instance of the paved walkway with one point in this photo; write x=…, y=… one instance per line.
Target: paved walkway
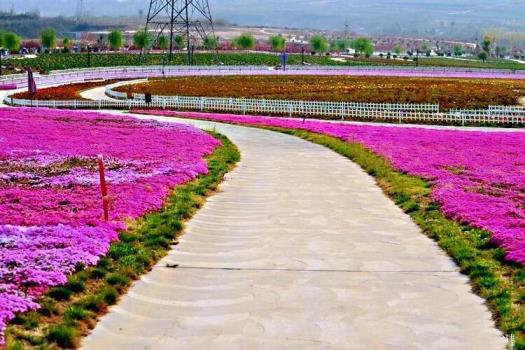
x=99, y=93
x=299, y=250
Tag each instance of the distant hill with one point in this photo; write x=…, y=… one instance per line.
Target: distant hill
x=438, y=18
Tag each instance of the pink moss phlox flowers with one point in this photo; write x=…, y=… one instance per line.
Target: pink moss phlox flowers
x=50, y=203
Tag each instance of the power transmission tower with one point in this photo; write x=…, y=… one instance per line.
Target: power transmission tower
x=189, y=19
x=81, y=11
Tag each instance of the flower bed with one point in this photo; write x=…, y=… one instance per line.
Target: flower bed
x=8, y=87
x=72, y=60
x=447, y=92
x=51, y=222
x=64, y=92
x=47, y=63
x=478, y=177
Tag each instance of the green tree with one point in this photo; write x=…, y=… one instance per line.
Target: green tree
x=319, y=44
x=458, y=50
x=12, y=41
x=163, y=42
x=500, y=51
x=142, y=39
x=483, y=56
x=211, y=43
x=340, y=45
x=244, y=41
x=2, y=39
x=66, y=44
x=486, y=44
x=363, y=45
x=49, y=38
x=398, y=50
x=116, y=39
x=425, y=48
x=180, y=42
x=277, y=42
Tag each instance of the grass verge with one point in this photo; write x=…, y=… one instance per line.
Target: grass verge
x=68, y=312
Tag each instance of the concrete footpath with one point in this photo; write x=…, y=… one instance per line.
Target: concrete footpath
x=300, y=249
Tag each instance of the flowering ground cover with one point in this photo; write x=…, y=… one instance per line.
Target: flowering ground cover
x=448, y=92
x=63, y=92
x=478, y=177
x=51, y=218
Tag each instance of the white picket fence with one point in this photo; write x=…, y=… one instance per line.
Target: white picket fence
x=426, y=113
x=284, y=108
x=134, y=72
x=508, y=110
x=280, y=106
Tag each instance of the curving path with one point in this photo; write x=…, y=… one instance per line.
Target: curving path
x=298, y=250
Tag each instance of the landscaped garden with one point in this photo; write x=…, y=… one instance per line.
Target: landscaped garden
x=52, y=221
x=62, y=264
x=474, y=207
x=447, y=92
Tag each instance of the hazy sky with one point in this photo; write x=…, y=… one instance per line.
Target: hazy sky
x=365, y=15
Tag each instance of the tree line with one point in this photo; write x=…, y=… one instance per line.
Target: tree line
x=318, y=44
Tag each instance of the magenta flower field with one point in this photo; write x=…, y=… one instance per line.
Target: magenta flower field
x=478, y=177
x=51, y=217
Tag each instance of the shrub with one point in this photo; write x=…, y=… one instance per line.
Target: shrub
x=76, y=285
x=244, y=41
x=277, y=42
x=142, y=39
x=319, y=44
x=94, y=303
x=60, y=293
x=98, y=273
x=115, y=39
x=16, y=345
x=49, y=38
x=12, y=41
x=62, y=335
x=118, y=279
x=109, y=295
x=74, y=313
x=121, y=249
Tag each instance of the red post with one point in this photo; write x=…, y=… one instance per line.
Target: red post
x=103, y=187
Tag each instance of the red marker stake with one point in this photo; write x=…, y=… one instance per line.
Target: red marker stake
x=103, y=187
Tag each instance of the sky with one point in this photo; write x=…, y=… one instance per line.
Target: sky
x=364, y=16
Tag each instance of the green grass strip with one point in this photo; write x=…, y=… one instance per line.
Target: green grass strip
x=70, y=311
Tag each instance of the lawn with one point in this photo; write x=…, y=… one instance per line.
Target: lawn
x=51, y=223
x=472, y=199
x=448, y=92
